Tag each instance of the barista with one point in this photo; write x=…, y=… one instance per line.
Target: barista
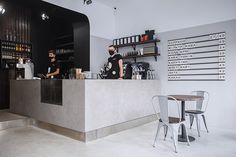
x=53, y=67
x=114, y=66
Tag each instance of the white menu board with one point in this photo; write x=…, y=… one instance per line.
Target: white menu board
x=197, y=58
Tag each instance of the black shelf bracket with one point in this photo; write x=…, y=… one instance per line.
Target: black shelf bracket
x=142, y=56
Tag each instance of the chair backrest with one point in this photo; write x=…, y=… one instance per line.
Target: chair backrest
x=201, y=105
x=160, y=105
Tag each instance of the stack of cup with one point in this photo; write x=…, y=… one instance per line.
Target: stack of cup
x=78, y=73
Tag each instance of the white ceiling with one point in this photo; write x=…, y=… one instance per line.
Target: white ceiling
x=110, y=3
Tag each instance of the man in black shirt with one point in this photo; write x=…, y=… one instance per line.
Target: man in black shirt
x=53, y=68
x=114, y=66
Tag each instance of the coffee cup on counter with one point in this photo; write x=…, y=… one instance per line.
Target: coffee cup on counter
x=78, y=72
x=137, y=77
x=90, y=75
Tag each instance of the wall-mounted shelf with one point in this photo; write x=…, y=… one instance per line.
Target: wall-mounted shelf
x=155, y=54
x=64, y=37
x=65, y=45
x=138, y=43
x=11, y=51
x=142, y=56
x=65, y=53
x=65, y=61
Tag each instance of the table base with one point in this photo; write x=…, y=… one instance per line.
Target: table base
x=181, y=139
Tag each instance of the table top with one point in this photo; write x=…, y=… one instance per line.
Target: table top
x=187, y=97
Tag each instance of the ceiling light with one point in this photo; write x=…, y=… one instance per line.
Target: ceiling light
x=88, y=2
x=44, y=16
x=2, y=10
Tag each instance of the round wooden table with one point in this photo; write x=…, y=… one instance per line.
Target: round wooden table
x=183, y=98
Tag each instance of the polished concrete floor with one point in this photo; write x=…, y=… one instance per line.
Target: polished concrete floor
x=137, y=142
x=10, y=120
x=6, y=116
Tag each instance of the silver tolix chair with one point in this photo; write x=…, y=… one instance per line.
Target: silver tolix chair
x=198, y=110
x=161, y=109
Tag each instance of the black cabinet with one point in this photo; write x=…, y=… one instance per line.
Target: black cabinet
x=51, y=92
x=4, y=89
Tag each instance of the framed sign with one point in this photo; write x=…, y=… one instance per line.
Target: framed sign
x=197, y=58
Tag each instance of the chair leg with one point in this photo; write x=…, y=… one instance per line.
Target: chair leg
x=198, y=125
x=179, y=130
x=165, y=131
x=158, y=130
x=191, y=118
x=186, y=134
x=174, y=130
x=204, y=120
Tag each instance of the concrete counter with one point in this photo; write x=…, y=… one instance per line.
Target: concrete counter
x=89, y=107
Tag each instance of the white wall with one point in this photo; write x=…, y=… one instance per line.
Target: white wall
x=221, y=112
x=165, y=16
x=135, y=16
x=101, y=17
x=98, y=53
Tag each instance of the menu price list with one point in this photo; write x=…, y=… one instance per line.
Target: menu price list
x=197, y=58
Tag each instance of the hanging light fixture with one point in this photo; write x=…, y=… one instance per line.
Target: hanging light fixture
x=88, y=2
x=2, y=10
x=44, y=16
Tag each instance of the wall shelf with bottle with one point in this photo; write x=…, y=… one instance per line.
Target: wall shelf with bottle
x=65, y=61
x=138, y=43
x=64, y=44
x=148, y=38
x=66, y=52
x=151, y=51
x=11, y=51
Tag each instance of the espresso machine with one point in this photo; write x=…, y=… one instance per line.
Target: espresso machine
x=127, y=69
x=140, y=69
x=25, y=70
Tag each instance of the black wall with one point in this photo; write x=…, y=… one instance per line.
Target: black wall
x=81, y=46
x=62, y=21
